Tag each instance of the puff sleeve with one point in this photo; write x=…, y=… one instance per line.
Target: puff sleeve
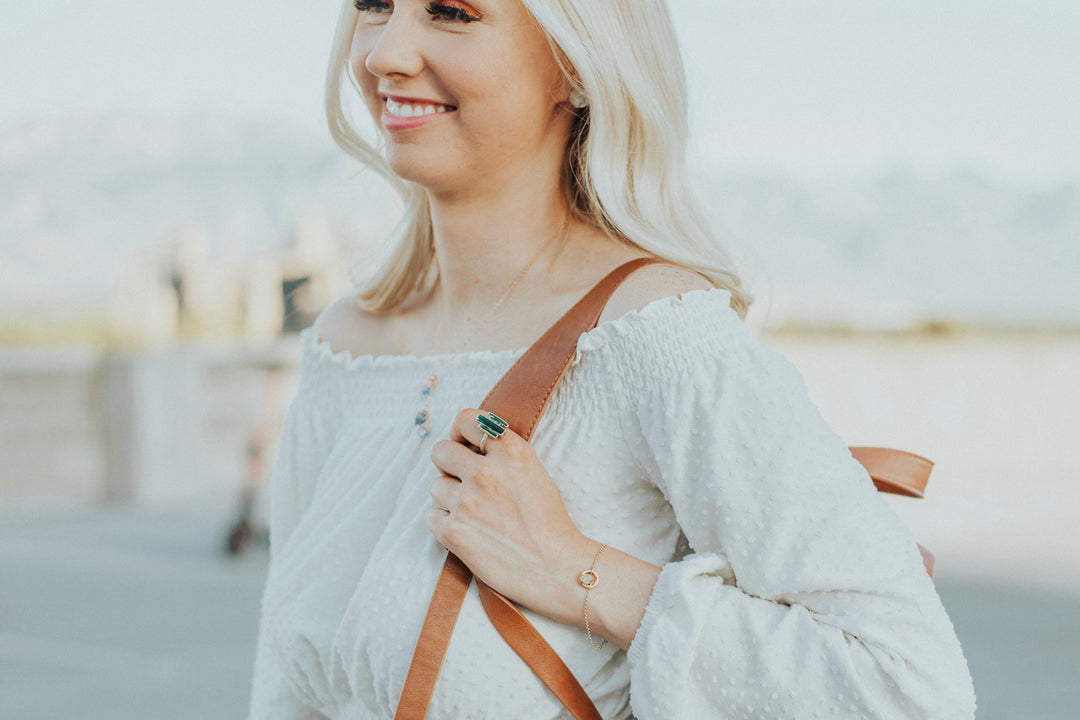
x=804, y=595
x=303, y=445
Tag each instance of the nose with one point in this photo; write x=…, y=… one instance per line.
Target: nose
x=394, y=49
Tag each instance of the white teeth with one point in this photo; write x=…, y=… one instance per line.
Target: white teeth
x=408, y=110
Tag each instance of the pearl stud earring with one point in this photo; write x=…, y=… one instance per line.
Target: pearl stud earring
x=578, y=99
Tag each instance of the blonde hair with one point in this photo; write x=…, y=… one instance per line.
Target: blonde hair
x=625, y=168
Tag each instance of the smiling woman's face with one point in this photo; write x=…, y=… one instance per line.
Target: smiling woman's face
x=466, y=94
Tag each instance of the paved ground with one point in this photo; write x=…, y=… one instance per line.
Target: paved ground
x=125, y=615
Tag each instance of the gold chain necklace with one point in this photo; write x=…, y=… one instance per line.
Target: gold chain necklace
x=423, y=417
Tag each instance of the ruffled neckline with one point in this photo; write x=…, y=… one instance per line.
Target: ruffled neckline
x=610, y=332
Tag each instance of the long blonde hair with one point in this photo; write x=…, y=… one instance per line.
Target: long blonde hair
x=625, y=167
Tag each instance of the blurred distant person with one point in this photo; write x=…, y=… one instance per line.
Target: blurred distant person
x=246, y=528
x=285, y=293
x=310, y=269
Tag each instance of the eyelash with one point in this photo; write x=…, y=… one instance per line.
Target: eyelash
x=435, y=9
x=369, y=5
x=450, y=12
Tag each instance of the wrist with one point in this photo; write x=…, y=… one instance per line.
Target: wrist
x=567, y=595
x=589, y=580
x=616, y=603
x=622, y=585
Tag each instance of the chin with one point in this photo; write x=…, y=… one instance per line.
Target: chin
x=418, y=167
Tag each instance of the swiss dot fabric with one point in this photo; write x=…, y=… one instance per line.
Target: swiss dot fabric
x=789, y=587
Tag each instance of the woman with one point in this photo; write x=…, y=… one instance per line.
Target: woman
x=748, y=568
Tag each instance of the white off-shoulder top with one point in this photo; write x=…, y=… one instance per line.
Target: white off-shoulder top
x=789, y=589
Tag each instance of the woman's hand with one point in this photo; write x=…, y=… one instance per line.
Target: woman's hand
x=502, y=514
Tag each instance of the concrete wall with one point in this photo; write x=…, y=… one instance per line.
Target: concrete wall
x=999, y=417
x=155, y=426
x=53, y=443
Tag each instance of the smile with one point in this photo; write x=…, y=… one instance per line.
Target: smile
x=414, y=109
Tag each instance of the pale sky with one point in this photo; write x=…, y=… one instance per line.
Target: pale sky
x=816, y=89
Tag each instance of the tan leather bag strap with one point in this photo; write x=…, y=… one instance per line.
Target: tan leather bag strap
x=899, y=473
x=434, y=639
x=523, y=393
x=520, y=397
x=895, y=471
x=531, y=647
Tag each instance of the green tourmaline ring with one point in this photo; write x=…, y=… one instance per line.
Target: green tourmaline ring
x=492, y=425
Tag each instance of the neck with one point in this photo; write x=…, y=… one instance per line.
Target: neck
x=483, y=244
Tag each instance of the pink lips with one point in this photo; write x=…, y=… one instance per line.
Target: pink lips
x=393, y=122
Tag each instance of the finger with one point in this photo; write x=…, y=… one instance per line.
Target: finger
x=473, y=427
x=464, y=429
x=445, y=491
x=436, y=518
x=455, y=459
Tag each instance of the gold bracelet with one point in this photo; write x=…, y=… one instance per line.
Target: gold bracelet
x=589, y=580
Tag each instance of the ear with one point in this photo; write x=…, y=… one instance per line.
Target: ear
x=571, y=95
x=561, y=91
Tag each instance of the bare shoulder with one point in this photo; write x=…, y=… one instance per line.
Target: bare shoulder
x=652, y=282
x=346, y=325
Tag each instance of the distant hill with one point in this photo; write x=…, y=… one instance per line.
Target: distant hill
x=907, y=249
x=81, y=196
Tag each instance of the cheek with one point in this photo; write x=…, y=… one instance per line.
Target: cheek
x=358, y=53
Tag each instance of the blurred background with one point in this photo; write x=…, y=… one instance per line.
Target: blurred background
x=901, y=183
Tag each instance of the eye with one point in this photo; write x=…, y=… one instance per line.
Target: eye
x=452, y=10
x=372, y=8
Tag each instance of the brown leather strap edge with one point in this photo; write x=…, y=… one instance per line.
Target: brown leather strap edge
x=520, y=397
x=514, y=398
x=895, y=471
x=435, y=634
x=901, y=473
x=523, y=637
x=516, y=401
x=540, y=369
